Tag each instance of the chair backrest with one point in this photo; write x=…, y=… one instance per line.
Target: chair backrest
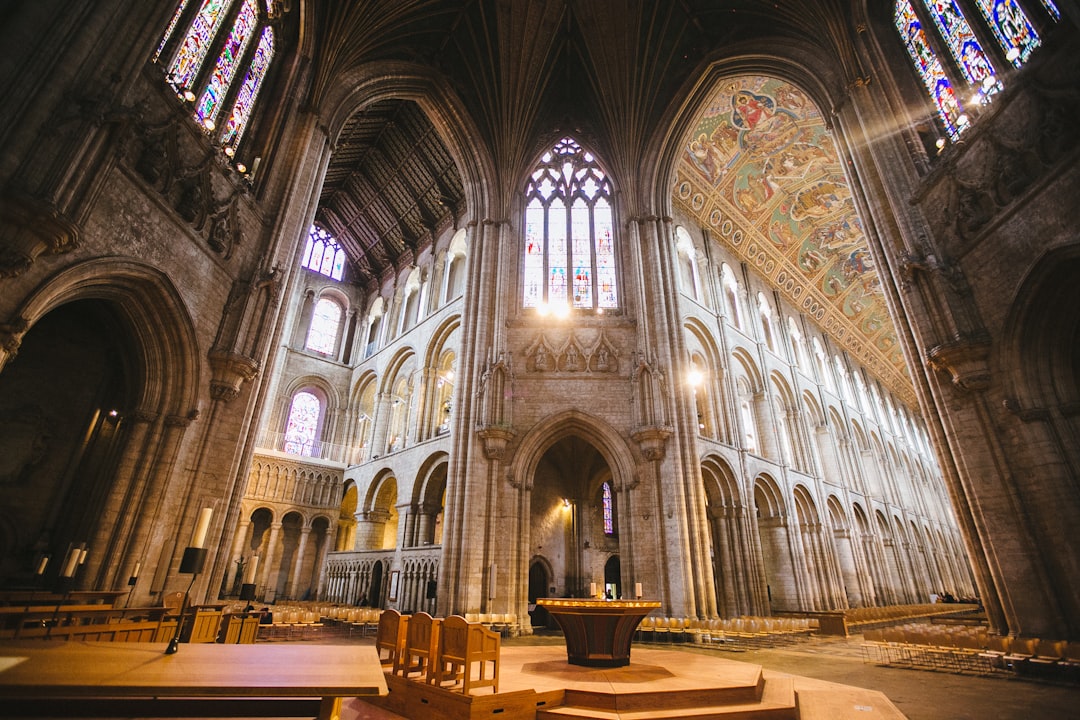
x=390, y=635
x=420, y=642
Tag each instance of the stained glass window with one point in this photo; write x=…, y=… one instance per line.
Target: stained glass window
x=189, y=57
x=1052, y=9
x=172, y=26
x=964, y=46
x=1011, y=28
x=322, y=337
x=322, y=254
x=569, y=257
x=233, y=27
x=206, y=111
x=929, y=69
x=609, y=509
x=249, y=90
x=303, y=424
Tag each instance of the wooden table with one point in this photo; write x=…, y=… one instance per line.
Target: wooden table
x=63, y=678
x=598, y=632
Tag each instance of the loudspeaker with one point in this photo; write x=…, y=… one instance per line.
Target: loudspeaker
x=431, y=587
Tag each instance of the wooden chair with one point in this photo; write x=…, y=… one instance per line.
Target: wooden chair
x=421, y=646
x=390, y=637
x=461, y=645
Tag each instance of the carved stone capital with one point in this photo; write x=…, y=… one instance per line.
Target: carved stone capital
x=230, y=371
x=495, y=440
x=966, y=360
x=652, y=441
x=29, y=229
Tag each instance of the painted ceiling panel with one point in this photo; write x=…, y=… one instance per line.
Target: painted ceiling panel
x=761, y=172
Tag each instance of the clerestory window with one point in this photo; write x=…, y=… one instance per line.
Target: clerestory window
x=569, y=258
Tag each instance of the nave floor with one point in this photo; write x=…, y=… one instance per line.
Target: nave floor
x=816, y=663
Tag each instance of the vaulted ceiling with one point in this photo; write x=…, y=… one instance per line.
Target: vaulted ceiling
x=606, y=71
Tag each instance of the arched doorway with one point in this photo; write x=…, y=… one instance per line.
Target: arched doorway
x=539, y=587
x=569, y=527
x=64, y=404
x=613, y=578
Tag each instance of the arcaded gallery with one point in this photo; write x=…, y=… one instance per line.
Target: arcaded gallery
x=331, y=331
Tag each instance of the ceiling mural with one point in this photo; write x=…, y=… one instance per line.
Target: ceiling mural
x=761, y=172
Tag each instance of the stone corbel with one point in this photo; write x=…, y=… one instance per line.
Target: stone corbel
x=496, y=438
x=966, y=360
x=32, y=229
x=230, y=371
x=652, y=441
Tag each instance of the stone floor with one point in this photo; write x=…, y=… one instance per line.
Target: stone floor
x=920, y=695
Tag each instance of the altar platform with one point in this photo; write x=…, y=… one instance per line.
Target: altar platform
x=537, y=683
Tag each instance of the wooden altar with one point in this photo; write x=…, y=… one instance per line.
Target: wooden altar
x=598, y=632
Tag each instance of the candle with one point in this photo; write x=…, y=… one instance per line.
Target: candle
x=70, y=562
x=82, y=555
x=198, y=538
x=249, y=571
x=637, y=589
x=41, y=565
x=135, y=572
x=592, y=589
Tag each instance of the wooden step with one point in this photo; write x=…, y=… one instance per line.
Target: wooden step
x=777, y=702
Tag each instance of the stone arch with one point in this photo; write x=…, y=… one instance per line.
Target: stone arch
x=149, y=361
x=340, y=97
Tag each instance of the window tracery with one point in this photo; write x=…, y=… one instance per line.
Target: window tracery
x=323, y=254
x=569, y=253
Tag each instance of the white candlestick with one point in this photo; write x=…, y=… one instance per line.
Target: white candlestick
x=249, y=571
x=41, y=565
x=592, y=589
x=82, y=555
x=637, y=589
x=135, y=572
x=198, y=538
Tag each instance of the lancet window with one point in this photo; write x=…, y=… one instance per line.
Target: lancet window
x=219, y=63
x=303, y=424
x=968, y=64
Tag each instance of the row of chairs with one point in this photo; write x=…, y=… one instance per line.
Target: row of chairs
x=293, y=623
x=505, y=624
x=441, y=652
x=970, y=649
x=733, y=633
x=889, y=614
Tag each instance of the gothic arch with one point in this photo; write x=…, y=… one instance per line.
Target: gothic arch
x=347, y=93
x=156, y=313
x=611, y=445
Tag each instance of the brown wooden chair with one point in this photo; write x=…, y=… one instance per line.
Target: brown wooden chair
x=390, y=637
x=461, y=645
x=421, y=645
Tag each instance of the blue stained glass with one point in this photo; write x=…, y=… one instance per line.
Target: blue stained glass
x=929, y=68
x=221, y=78
x=249, y=90
x=189, y=57
x=1011, y=28
x=963, y=45
x=609, y=510
x=1052, y=9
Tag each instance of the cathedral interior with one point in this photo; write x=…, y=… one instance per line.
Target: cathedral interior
x=747, y=307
